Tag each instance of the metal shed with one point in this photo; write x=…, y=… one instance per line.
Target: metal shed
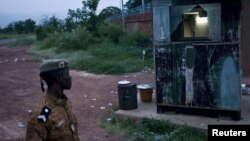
x=197, y=56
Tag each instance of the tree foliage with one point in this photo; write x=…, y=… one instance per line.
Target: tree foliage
x=29, y=26
x=109, y=11
x=135, y=3
x=111, y=31
x=84, y=16
x=50, y=25
x=20, y=27
x=10, y=28
x=91, y=5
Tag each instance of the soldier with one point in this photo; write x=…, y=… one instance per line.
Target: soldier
x=52, y=118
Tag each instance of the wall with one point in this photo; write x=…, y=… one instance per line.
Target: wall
x=206, y=74
x=139, y=23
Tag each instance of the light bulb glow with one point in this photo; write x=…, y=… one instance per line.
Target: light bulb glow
x=201, y=20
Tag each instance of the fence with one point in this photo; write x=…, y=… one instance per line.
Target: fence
x=135, y=11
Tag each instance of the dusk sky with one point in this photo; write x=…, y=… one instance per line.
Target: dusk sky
x=14, y=10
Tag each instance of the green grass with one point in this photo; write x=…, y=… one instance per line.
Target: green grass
x=101, y=53
x=102, y=59
x=23, y=40
x=6, y=36
x=150, y=129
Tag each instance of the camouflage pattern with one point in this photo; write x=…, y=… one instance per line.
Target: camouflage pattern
x=61, y=124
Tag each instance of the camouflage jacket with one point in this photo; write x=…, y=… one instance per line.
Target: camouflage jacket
x=59, y=124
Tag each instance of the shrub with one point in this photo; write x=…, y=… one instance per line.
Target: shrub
x=136, y=39
x=74, y=40
x=50, y=42
x=23, y=40
x=143, y=41
x=40, y=33
x=111, y=31
x=136, y=42
x=128, y=39
x=77, y=39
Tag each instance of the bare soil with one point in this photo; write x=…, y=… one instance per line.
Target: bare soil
x=92, y=96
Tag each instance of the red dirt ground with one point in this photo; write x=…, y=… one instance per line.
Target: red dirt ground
x=20, y=91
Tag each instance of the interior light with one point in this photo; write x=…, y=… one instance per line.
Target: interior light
x=201, y=20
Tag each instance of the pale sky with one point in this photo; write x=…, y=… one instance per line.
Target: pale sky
x=14, y=10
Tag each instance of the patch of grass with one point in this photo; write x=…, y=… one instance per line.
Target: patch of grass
x=150, y=129
x=6, y=36
x=105, y=58
x=101, y=52
x=42, y=53
x=23, y=40
x=108, y=50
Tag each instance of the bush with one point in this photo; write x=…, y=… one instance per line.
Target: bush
x=50, y=42
x=23, y=40
x=103, y=54
x=111, y=31
x=143, y=41
x=77, y=39
x=128, y=39
x=136, y=39
x=40, y=33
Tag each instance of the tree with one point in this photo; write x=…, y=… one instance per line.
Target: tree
x=135, y=3
x=108, y=12
x=40, y=33
x=75, y=17
x=85, y=16
x=10, y=28
x=50, y=25
x=19, y=27
x=29, y=26
x=90, y=6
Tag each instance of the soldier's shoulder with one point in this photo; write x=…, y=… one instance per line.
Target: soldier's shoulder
x=36, y=109
x=41, y=111
x=44, y=115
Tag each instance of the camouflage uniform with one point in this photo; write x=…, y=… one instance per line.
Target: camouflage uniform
x=60, y=125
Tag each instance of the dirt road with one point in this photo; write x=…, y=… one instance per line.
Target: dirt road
x=91, y=95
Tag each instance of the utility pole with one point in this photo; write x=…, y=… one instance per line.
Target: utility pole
x=142, y=4
x=123, y=20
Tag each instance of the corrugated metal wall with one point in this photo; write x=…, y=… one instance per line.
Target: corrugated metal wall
x=245, y=37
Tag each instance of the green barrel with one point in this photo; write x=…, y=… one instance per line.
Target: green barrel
x=127, y=96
